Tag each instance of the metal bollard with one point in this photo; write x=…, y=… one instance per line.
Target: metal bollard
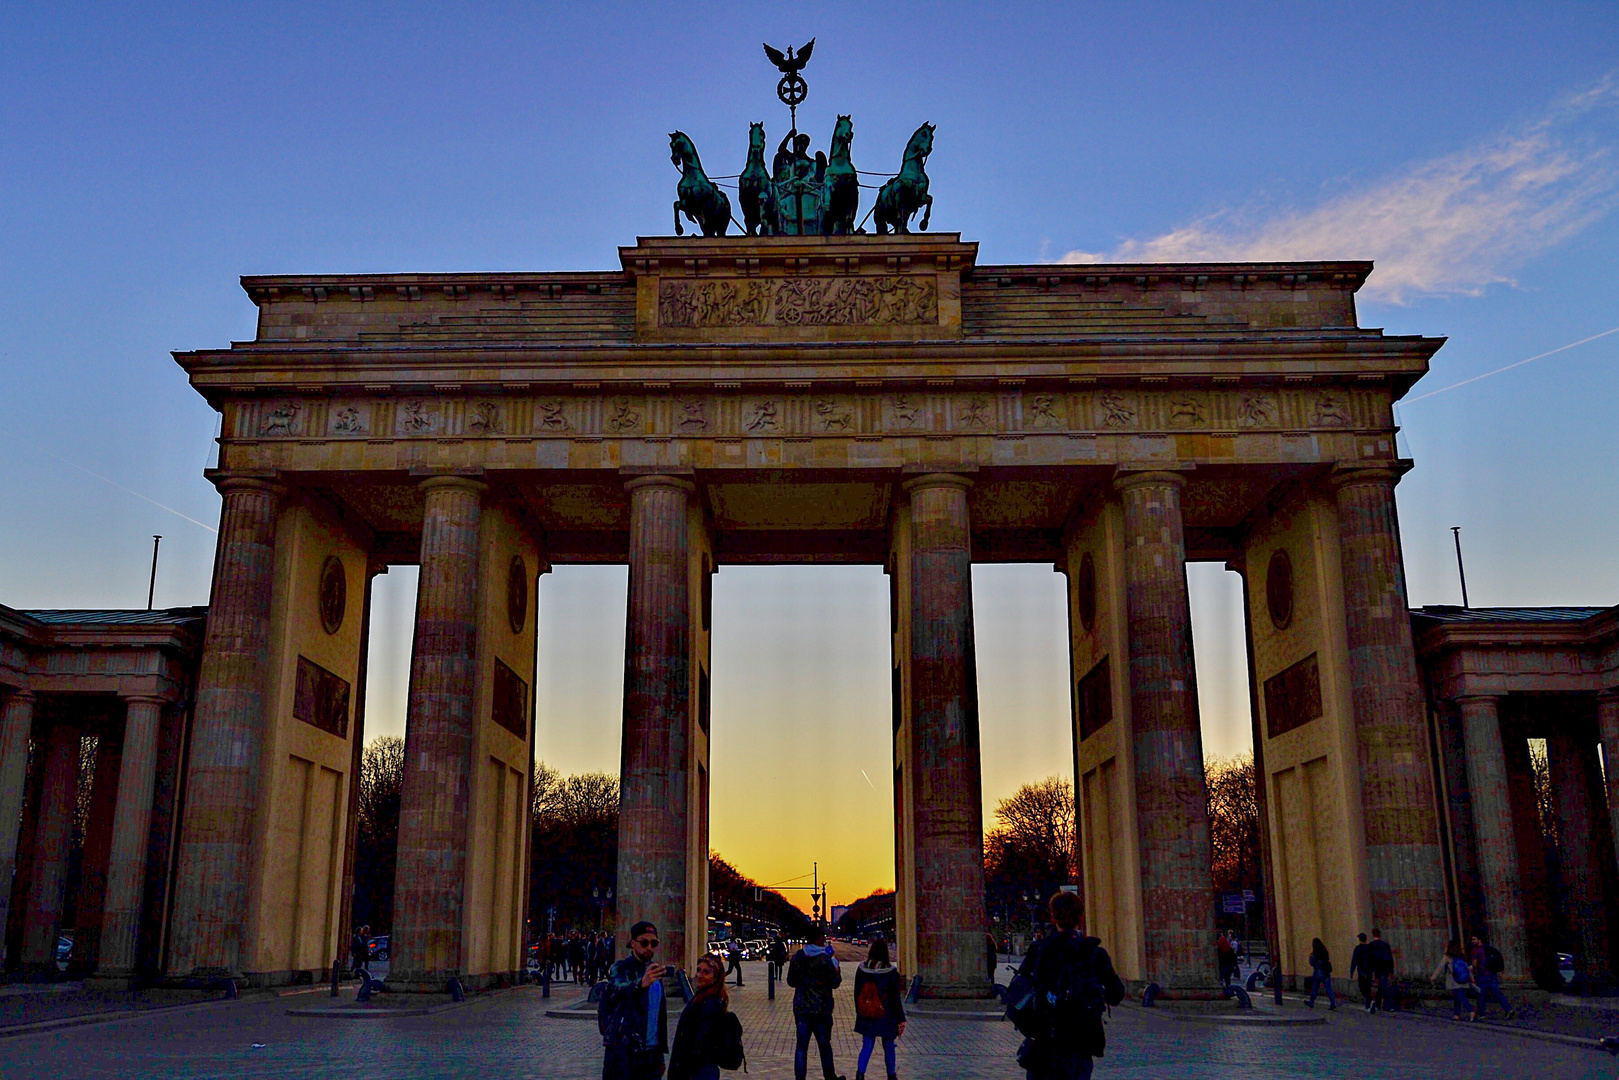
x=545, y=980
x=772, y=982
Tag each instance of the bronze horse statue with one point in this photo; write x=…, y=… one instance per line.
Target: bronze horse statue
x=699, y=199
x=907, y=193
x=756, y=190
x=841, y=199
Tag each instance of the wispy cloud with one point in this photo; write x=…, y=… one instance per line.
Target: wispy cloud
x=1453, y=225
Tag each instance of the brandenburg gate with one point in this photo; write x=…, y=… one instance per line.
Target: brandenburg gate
x=869, y=399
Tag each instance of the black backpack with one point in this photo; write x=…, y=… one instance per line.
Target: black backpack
x=728, y=1053
x=1077, y=994
x=1493, y=960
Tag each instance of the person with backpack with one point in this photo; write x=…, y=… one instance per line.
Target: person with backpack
x=1360, y=968
x=813, y=974
x=708, y=1036
x=1487, y=964
x=1062, y=989
x=1458, y=976
x=1321, y=974
x=733, y=957
x=632, y=1015
x=879, y=1010
x=1381, y=958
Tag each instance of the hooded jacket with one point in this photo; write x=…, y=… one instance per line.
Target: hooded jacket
x=814, y=974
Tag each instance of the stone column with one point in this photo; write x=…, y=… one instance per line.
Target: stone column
x=948, y=814
x=1494, y=835
x=1177, y=899
x=430, y=881
x=132, y=827
x=227, y=735
x=654, y=782
x=1573, y=766
x=1404, y=864
x=52, y=838
x=1607, y=729
x=16, y=721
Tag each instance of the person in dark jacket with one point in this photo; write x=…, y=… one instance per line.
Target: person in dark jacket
x=1321, y=974
x=1381, y=958
x=1069, y=1052
x=813, y=974
x=778, y=956
x=634, y=1013
x=879, y=1010
x=360, y=949
x=694, y=1055
x=1360, y=968
x=1226, y=957
x=992, y=955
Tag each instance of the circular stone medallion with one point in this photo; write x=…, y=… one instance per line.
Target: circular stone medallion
x=1279, y=589
x=1086, y=590
x=517, y=594
x=334, y=594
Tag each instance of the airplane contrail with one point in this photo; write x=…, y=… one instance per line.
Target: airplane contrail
x=1509, y=367
x=137, y=494
x=868, y=780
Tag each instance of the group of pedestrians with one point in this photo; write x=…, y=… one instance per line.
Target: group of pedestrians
x=1067, y=978
x=582, y=956
x=1474, y=972
x=1371, y=963
x=634, y=1022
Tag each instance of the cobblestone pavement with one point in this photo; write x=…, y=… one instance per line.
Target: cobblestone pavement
x=508, y=1035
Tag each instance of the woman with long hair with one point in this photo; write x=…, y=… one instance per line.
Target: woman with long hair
x=879, y=1010
x=694, y=1053
x=1321, y=974
x=1458, y=980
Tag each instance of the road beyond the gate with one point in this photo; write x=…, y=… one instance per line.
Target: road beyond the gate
x=509, y=1035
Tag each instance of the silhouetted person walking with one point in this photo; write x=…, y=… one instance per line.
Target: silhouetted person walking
x=813, y=974
x=1077, y=983
x=1360, y=967
x=1320, y=974
x=1381, y=957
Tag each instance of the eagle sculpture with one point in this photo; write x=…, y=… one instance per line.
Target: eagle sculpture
x=790, y=64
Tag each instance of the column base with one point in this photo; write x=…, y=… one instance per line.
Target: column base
x=965, y=991
x=111, y=980
x=437, y=982
x=1134, y=988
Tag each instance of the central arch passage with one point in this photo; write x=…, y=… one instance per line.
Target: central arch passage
x=800, y=744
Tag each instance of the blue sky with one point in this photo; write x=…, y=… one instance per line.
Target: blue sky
x=150, y=155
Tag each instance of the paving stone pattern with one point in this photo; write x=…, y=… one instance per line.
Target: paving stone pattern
x=508, y=1035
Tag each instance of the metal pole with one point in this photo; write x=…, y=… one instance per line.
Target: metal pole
x=1456, y=532
x=151, y=585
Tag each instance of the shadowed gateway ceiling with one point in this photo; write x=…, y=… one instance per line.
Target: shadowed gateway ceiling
x=786, y=516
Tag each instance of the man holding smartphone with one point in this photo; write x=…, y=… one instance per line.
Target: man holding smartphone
x=632, y=1016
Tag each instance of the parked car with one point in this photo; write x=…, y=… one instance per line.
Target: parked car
x=64, y=950
x=1565, y=965
x=378, y=946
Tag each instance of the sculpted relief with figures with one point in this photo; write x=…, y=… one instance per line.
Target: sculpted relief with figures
x=808, y=412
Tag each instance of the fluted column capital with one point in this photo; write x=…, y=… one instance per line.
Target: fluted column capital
x=452, y=482
x=20, y=695
x=928, y=481
x=1382, y=474
x=227, y=483
x=659, y=480
x=1126, y=479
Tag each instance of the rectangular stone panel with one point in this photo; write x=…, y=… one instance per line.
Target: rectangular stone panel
x=1293, y=698
x=510, y=707
x=321, y=698
x=1094, y=700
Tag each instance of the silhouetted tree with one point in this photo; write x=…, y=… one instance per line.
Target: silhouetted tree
x=1233, y=823
x=574, y=859
x=382, y=775
x=1030, y=850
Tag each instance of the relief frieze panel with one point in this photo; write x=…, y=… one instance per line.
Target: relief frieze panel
x=811, y=301
x=803, y=411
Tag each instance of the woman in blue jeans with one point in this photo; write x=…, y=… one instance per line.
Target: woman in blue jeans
x=1321, y=974
x=879, y=1011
